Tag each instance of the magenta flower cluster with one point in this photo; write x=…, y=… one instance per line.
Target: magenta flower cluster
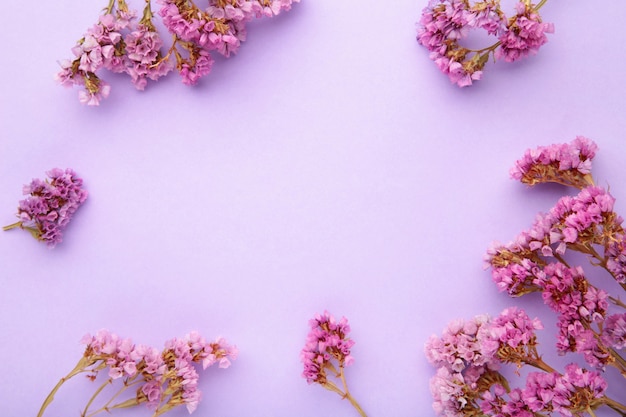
x=470, y=354
x=326, y=354
x=444, y=24
x=327, y=341
x=50, y=205
x=121, y=44
x=590, y=322
x=567, y=163
x=162, y=380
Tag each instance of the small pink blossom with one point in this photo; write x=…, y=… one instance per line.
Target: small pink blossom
x=328, y=340
x=445, y=24
x=567, y=163
x=524, y=35
x=50, y=205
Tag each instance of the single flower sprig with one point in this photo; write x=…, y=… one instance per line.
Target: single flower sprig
x=162, y=380
x=445, y=23
x=327, y=353
x=50, y=205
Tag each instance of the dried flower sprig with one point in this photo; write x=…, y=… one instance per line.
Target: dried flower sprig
x=50, y=205
x=471, y=354
x=327, y=353
x=121, y=44
x=590, y=321
x=446, y=23
x=162, y=380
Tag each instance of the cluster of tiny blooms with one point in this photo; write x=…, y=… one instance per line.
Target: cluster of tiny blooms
x=446, y=23
x=120, y=42
x=162, y=380
x=590, y=322
x=50, y=205
x=567, y=164
x=535, y=261
x=326, y=354
x=469, y=357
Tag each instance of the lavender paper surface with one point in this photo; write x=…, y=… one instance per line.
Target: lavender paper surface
x=329, y=165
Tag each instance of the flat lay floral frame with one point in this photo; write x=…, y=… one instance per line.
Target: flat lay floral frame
x=325, y=166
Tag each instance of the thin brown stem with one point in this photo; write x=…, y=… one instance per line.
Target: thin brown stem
x=95, y=394
x=540, y=364
x=128, y=403
x=80, y=367
x=614, y=405
x=540, y=5
x=12, y=226
x=617, y=302
x=349, y=396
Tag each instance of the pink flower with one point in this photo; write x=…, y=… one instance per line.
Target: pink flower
x=567, y=164
x=445, y=23
x=92, y=97
x=119, y=44
x=328, y=340
x=459, y=347
x=552, y=392
x=614, y=332
x=524, y=35
x=51, y=205
x=144, y=60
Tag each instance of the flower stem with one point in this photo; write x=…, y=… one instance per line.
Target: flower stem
x=95, y=394
x=617, y=302
x=620, y=362
x=347, y=395
x=12, y=226
x=614, y=405
x=540, y=364
x=540, y=5
x=356, y=405
x=80, y=367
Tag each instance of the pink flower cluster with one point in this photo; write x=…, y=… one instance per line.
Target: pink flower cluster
x=326, y=342
x=535, y=260
x=162, y=380
x=567, y=163
x=469, y=355
x=484, y=342
x=50, y=205
x=577, y=390
x=120, y=44
x=468, y=381
x=326, y=354
x=445, y=23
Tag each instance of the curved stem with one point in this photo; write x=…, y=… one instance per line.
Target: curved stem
x=620, y=361
x=80, y=367
x=350, y=398
x=107, y=407
x=614, y=405
x=95, y=394
x=488, y=49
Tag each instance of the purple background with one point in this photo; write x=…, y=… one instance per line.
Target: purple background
x=329, y=165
